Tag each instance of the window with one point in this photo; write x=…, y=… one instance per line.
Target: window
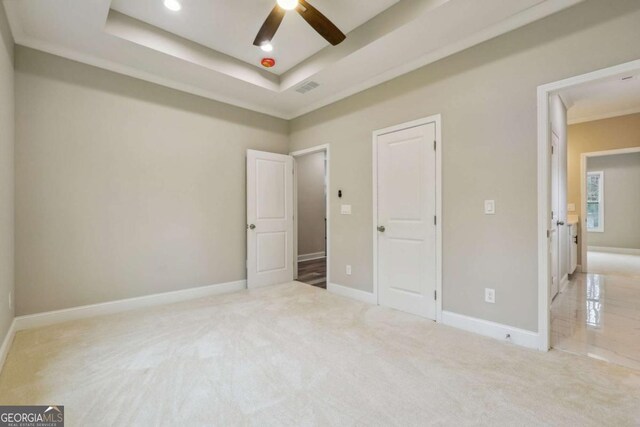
x=595, y=201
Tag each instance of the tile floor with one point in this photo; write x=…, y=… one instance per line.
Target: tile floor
x=599, y=316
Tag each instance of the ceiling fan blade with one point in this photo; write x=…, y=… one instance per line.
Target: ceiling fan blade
x=270, y=26
x=320, y=23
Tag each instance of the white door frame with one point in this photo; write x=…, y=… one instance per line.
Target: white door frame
x=558, y=256
x=544, y=182
x=584, y=157
x=437, y=120
x=316, y=149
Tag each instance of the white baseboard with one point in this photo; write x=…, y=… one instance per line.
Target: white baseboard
x=352, y=293
x=622, y=251
x=6, y=343
x=312, y=256
x=112, y=307
x=495, y=330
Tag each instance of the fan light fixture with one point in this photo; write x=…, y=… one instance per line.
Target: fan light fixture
x=267, y=47
x=313, y=16
x=288, y=4
x=173, y=5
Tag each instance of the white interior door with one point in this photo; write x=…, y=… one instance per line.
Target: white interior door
x=554, y=231
x=269, y=218
x=406, y=220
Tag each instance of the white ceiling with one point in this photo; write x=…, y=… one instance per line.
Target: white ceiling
x=385, y=38
x=231, y=26
x=613, y=97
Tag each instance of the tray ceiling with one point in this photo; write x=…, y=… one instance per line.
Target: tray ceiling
x=230, y=26
x=206, y=48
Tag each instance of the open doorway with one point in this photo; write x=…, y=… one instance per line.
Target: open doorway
x=311, y=219
x=589, y=215
x=610, y=200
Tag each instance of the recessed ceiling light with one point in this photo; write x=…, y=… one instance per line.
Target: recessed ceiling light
x=173, y=5
x=288, y=4
x=267, y=47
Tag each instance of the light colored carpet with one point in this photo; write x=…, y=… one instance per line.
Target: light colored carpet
x=614, y=264
x=296, y=355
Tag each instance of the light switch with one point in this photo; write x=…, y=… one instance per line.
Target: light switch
x=345, y=209
x=489, y=207
x=571, y=207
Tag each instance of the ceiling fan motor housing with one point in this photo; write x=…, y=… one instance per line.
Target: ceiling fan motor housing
x=313, y=16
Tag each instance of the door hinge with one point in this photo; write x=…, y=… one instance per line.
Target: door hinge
x=434, y=145
x=435, y=295
x=435, y=220
x=548, y=234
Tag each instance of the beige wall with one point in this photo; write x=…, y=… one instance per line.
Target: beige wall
x=125, y=188
x=6, y=176
x=621, y=201
x=487, y=98
x=311, y=203
x=599, y=135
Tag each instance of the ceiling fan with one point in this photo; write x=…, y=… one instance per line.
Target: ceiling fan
x=317, y=20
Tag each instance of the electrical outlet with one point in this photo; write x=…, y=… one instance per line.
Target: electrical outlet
x=490, y=295
x=345, y=209
x=348, y=270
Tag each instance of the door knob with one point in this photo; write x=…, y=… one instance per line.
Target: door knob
x=381, y=228
x=560, y=223
x=251, y=226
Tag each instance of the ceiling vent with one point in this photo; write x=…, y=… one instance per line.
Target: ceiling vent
x=306, y=87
